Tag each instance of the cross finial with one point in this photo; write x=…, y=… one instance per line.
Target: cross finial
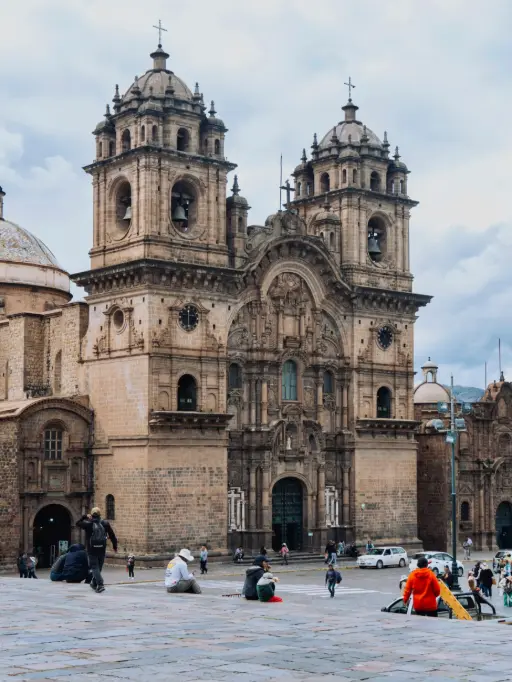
x=350, y=85
x=160, y=28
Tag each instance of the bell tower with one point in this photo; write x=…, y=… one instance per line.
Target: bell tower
x=160, y=174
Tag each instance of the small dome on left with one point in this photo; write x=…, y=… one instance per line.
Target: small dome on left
x=18, y=245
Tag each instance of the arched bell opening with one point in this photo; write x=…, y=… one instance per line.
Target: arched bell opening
x=126, y=140
x=123, y=206
x=52, y=526
x=183, y=206
x=325, y=183
x=375, y=183
x=182, y=140
x=187, y=393
x=377, y=239
x=384, y=403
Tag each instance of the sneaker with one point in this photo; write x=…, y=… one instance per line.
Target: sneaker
x=101, y=588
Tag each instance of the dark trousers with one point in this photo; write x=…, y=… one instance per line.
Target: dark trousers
x=131, y=573
x=32, y=573
x=487, y=590
x=332, y=587
x=432, y=614
x=23, y=573
x=204, y=566
x=96, y=564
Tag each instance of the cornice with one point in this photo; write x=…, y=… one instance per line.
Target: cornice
x=387, y=425
x=188, y=420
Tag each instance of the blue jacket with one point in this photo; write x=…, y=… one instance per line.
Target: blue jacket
x=76, y=565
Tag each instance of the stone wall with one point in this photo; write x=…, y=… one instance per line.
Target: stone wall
x=433, y=491
x=10, y=521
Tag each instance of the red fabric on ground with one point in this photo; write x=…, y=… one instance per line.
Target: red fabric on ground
x=274, y=599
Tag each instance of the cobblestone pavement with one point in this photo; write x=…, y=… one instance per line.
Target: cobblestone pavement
x=54, y=631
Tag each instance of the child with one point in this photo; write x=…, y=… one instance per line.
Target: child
x=130, y=565
x=284, y=551
x=402, y=583
x=266, y=587
x=203, y=560
x=332, y=578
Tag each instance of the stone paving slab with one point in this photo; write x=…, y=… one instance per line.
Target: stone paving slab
x=54, y=631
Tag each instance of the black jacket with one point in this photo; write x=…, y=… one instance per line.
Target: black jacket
x=57, y=568
x=76, y=565
x=252, y=575
x=485, y=577
x=86, y=523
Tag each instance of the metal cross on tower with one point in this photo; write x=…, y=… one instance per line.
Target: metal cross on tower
x=350, y=85
x=288, y=189
x=160, y=28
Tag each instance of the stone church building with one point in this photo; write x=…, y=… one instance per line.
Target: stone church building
x=483, y=467
x=223, y=382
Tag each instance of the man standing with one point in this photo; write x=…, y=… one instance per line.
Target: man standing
x=96, y=530
x=424, y=586
x=467, y=548
x=177, y=576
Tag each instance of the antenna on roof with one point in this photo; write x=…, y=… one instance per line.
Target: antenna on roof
x=485, y=375
x=280, y=184
x=499, y=360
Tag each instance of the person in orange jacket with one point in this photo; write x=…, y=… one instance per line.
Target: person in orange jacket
x=424, y=586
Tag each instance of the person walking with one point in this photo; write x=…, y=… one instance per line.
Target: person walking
x=178, y=579
x=96, y=530
x=130, y=565
x=486, y=580
x=330, y=552
x=203, y=560
x=284, y=552
x=22, y=565
x=332, y=578
x=467, y=545
x=31, y=566
x=447, y=577
x=424, y=587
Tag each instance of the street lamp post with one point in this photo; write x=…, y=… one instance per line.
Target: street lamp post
x=456, y=425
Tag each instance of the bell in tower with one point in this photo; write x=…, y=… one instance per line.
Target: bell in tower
x=374, y=249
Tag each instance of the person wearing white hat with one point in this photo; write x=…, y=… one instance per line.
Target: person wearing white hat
x=177, y=576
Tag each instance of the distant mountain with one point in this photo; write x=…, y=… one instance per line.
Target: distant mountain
x=467, y=394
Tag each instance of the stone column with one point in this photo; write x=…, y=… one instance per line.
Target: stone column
x=252, y=499
x=345, y=406
x=319, y=400
x=264, y=402
x=346, y=496
x=320, y=517
x=280, y=327
x=252, y=404
x=265, y=509
x=481, y=515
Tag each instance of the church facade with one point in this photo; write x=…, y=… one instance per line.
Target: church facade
x=224, y=383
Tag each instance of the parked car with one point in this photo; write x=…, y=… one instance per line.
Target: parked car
x=500, y=555
x=466, y=599
x=436, y=561
x=383, y=556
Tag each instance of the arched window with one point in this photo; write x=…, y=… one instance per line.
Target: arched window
x=53, y=443
x=325, y=182
x=126, y=140
x=241, y=224
x=182, y=139
x=328, y=383
x=384, y=403
x=217, y=147
x=354, y=175
x=312, y=443
x=154, y=133
x=299, y=188
x=110, y=507
x=111, y=148
x=309, y=189
x=464, y=511
x=375, y=182
x=401, y=186
x=331, y=240
x=100, y=150
x=344, y=175
x=143, y=134
x=234, y=376
x=57, y=373
x=289, y=381
x=187, y=394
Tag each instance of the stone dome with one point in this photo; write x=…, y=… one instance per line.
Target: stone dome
x=154, y=82
x=430, y=392
x=355, y=130
x=18, y=245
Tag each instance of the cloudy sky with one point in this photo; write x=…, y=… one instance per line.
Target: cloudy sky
x=435, y=74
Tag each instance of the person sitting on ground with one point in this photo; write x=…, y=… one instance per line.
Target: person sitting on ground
x=266, y=587
x=341, y=548
x=57, y=568
x=238, y=555
x=252, y=575
x=424, y=587
x=447, y=577
x=76, y=565
x=178, y=579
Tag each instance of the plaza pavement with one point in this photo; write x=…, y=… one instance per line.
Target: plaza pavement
x=136, y=631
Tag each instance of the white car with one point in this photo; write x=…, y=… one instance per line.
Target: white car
x=436, y=561
x=383, y=556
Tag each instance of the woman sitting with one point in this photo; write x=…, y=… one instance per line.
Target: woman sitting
x=266, y=588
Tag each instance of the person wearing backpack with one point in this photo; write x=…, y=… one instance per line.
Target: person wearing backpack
x=332, y=578
x=97, y=530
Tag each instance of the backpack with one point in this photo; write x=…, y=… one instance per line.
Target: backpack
x=98, y=539
x=338, y=577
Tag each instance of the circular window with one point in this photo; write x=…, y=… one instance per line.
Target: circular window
x=385, y=337
x=118, y=319
x=189, y=318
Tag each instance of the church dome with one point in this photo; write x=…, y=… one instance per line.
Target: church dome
x=350, y=131
x=430, y=392
x=154, y=83
x=18, y=245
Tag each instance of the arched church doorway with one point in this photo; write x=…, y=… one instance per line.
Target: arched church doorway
x=287, y=513
x=51, y=526
x=504, y=525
